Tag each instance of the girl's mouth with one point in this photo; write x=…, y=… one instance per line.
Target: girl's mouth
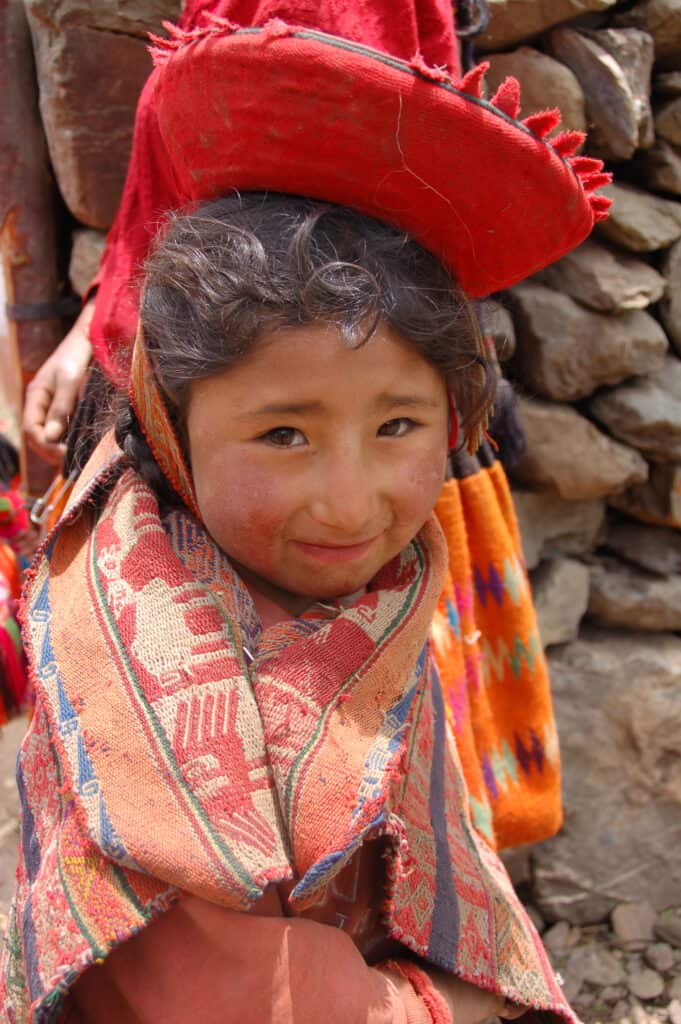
x=333, y=553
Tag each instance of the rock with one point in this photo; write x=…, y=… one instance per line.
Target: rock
x=640, y=221
x=517, y=863
x=601, y=967
x=572, y=973
x=633, y=923
x=662, y=19
x=628, y=598
x=661, y=167
x=513, y=21
x=604, y=279
x=670, y=306
x=544, y=82
x=668, y=121
x=612, y=993
x=86, y=252
x=569, y=455
x=656, y=501
x=646, y=984
x=645, y=412
x=655, y=548
x=498, y=325
x=620, y=1011
x=555, y=938
x=659, y=956
x=560, y=587
x=668, y=928
x=90, y=74
x=535, y=917
x=674, y=1011
x=640, y=1016
x=613, y=742
x=667, y=85
x=551, y=525
x=613, y=67
x=565, y=352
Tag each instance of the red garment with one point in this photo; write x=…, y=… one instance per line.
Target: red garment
x=150, y=189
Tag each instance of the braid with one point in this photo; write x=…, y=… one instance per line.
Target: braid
x=131, y=440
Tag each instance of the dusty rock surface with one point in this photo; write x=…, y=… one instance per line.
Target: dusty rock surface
x=560, y=587
x=616, y=845
x=613, y=67
x=604, y=279
x=544, y=82
x=569, y=455
x=657, y=500
x=639, y=221
x=626, y=597
x=515, y=20
x=551, y=525
x=670, y=307
x=86, y=252
x=565, y=351
x=661, y=167
x=653, y=548
x=498, y=324
x=662, y=19
x=646, y=413
x=668, y=121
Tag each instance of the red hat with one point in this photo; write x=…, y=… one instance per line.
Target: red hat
x=290, y=108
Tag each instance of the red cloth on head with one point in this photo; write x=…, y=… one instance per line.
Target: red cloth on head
x=425, y=26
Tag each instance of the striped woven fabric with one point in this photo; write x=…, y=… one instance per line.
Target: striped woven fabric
x=159, y=759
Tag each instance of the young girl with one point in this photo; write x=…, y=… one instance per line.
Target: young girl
x=240, y=737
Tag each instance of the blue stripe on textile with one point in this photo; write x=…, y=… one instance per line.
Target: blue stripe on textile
x=31, y=852
x=444, y=936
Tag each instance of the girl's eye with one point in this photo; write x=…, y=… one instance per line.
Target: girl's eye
x=284, y=437
x=397, y=428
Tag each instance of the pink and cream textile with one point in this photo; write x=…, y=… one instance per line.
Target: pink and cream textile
x=161, y=759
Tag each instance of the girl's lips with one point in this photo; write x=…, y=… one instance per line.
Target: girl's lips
x=333, y=553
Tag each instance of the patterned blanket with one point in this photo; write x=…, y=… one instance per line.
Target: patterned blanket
x=161, y=758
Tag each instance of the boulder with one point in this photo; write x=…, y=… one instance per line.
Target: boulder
x=513, y=21
x=661, y=167
x=544, y=82
x=655, y=548
x=613, y=67
x=569, y=455
x=670, y=306
x=640, y=221
x=550, y=525
x=668, y=121
x=624, y=597
x=646, y=412
x=560, y=587
x=658, y=500
x=498, y=325
x=566, y=352
x=621, y=758
x=90, y=73
x=604, y=279
x=86, y=252
x=662, y=19
x=667, y=84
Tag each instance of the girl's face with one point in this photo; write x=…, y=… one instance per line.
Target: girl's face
x=315, y=463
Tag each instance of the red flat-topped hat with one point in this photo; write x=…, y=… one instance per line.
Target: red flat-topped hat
x=306, y=110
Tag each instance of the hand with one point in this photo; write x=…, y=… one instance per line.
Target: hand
x=52, y=394
x=469, y=1004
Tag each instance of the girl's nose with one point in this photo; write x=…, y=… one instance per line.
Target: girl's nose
x=347, y=496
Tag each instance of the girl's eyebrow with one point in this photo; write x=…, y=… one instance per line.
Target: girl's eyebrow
x=386, y=400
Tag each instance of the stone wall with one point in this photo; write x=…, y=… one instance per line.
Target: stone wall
x=593, y=346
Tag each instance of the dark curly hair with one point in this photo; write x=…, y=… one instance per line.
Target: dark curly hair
x=235, y=268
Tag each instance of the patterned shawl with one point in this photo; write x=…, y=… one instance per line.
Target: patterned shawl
x=162, y=759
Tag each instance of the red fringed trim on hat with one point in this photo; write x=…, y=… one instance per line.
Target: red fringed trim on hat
x=471, y=83
x=567, y=143
x=600, y=206
x=507, y=98
x=435, y=74
x=543, y=122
